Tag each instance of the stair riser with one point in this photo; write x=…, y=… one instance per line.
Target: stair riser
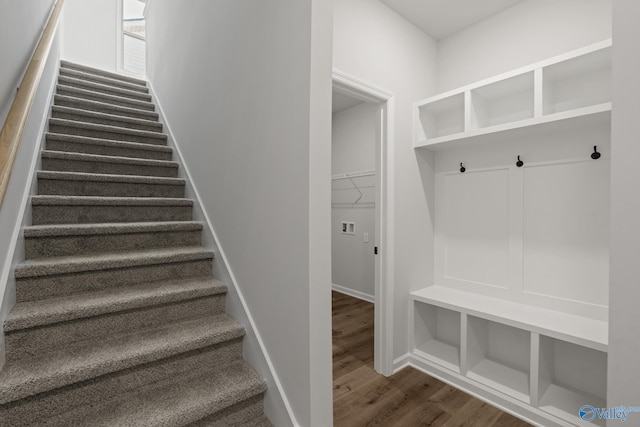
x=240, y=414
x=65, y=72
x=42, y=339
x=107, y=90
x=102, y=150
x=107, y=189
x=149, y=127
x=89, y=394
x=95, y=96
x=42, y=287
x=98, y=72
x=62, y=214
x=91, y=133
x=114, y=243
x=106, y=108
x=68, y=165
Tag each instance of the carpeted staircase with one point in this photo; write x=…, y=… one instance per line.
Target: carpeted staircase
x=119, y=321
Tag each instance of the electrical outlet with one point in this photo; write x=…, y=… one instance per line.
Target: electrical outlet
x=347, y=227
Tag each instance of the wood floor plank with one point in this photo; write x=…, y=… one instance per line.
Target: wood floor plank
x=425, y=414
x=362, y=397
x=475, y=413
x=353, y=381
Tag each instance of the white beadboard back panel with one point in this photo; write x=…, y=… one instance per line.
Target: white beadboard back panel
x=566, y=231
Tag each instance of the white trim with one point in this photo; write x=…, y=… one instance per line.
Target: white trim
x=222, y=255
x=349, y=85
x=383, y=342
x=354, y=293
x=401, y=362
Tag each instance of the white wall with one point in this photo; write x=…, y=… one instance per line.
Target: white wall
x=374, y=44
x=16, y=45
x=353, y=138
x=353, y=149
x=249, y=106
x=624, y=344
x=525, y=33
x=90, y=33
x=20, y=26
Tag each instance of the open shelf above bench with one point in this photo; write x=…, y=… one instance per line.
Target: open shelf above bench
x=559, y=93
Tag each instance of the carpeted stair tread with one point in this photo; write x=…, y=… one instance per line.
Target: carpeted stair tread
x=97, y=177
x=107, y=201
x=176, y=401
x=112, y=147
x=83, y=157
x=44, y=312
x=45, y=241
x=75, y=264
x=104, y=98
x=107, y=128
x=90, y=70
x=77, y=74
x=120, y=186
x=123, y=121
x=107, y=229
x=99, y=209
x=89, y=105
x=261, y=421
x=69, y=161
x=33, y=375
x=248, y=413
x=103, y=88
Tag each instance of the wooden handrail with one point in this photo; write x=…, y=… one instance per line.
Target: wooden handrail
x=11, y=132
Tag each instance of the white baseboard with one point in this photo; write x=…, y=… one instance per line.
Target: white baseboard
x=354, y=293
x=401, y=362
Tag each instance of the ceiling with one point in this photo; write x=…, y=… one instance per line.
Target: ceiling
x=341, y=102
x=441, y=18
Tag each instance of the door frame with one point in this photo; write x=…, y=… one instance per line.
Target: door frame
x=384, y=213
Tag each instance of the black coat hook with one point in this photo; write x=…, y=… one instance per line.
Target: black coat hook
x=519, y=163
x=462, y=168
x=595, y=155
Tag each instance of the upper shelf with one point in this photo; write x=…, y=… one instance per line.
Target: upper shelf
x=568, y=90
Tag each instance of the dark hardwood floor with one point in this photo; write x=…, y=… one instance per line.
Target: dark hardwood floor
x=362, y=397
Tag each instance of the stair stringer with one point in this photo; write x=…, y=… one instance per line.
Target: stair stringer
x=24, y=186
x=276, y=405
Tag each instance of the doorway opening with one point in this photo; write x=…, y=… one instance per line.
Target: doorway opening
x=362, y=200
x=132, y=43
